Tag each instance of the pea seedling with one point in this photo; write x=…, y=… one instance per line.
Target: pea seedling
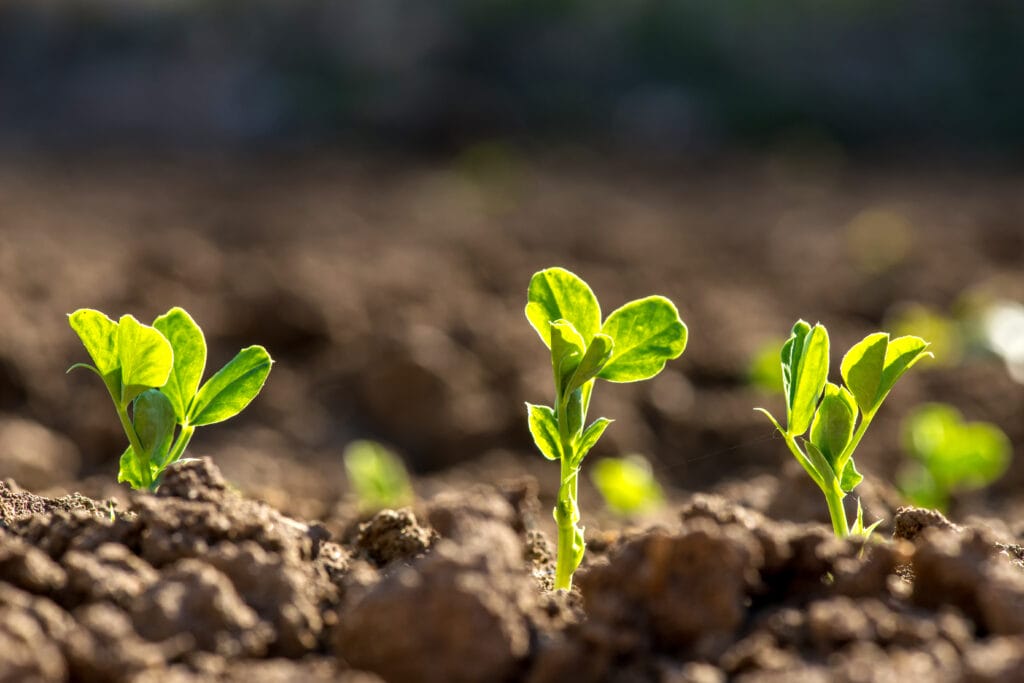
x=952, y=455
x=377, y=476
x=869, y=369
x=627, y=485
x=633, y=343
x=156, y=371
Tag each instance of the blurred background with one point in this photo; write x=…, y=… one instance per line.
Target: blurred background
x=366, y=187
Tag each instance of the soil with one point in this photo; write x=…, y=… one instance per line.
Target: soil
x=391, y=301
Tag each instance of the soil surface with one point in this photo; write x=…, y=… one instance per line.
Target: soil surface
x=391, y=298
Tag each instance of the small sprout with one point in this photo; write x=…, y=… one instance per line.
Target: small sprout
x=830, y=411
x=627, y=485
x=633, y=343
x=152, y=374
x=951, y=455
x=377, y=475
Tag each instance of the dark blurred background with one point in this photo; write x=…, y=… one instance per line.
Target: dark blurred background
x=365, y=187
x=645, y=77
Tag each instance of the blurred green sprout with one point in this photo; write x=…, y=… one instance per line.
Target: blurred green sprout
x=377, y=476
x=764, y=372
x=627, y=485
x=950, y=455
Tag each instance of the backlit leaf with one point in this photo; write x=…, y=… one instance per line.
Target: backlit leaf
x=189, y=349
x=99, y=336
x=232, y=388
x=557, y=294
x=810, y=372
x=154, y=421
x=833, y=424
x=544, y=430
x=862, y=368
x=646, y=334
x=146, y=357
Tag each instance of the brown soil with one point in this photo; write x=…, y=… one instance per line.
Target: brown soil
x=392, y=302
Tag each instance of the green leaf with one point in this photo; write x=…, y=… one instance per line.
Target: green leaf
x=819, y=462
x=544, y=430
x=146, y=357
x=862, y=368
x=99, y=336
x=189, y=347
x=232, y=388
x=130, y=470
x=590, y=436
x=646, y=333
x=557, y=294
x=851, y=477
x=858, y=528
x=792, y=350
x=154, y=421
x=809, y=372
x=832, y=427
x=595, y=358
x=567, y=349
x=901, y=355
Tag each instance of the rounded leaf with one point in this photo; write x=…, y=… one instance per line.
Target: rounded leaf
x=145, y=354
x=646, y=333
x=189, y=347
x=154, y=420
x=862, y=368
x=558, y=294
x=99, y=336
x=232, y=388
x=544, y=429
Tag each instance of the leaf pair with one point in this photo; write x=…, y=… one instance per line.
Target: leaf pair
x=543, y=425
x=157, y=372
x=632, y=344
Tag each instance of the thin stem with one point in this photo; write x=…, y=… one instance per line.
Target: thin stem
x=834, y=499
x=844, y=457
x=566, y=519
x=181, y=444
x=133, y=439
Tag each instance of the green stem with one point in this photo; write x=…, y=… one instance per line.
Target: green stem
x=133, y=439
x=847, y=453
x=181, y=444
x=566, y=516
x=834, y=499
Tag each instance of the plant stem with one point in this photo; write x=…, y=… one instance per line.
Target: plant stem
x=133, y=439
x=566, y=515
x=837, y=512
x=181, y=444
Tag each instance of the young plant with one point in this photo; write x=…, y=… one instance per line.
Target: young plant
x=627, y=485
x=377, y=476
x=633, y=343
x=951, y=455
x=830, y=411
x=153, y=375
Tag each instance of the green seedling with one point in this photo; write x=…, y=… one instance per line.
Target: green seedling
x=377, y=476
x=633, y=343
x=627, y=485
x=153, y=375
x=951, y=455
x=830, y=411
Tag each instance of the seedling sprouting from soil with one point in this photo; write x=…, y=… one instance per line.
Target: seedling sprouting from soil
x=633, y=343
x=153, y=375
x=952, y=455
x=377, y=476
x=627, y=485
x=869, y=369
